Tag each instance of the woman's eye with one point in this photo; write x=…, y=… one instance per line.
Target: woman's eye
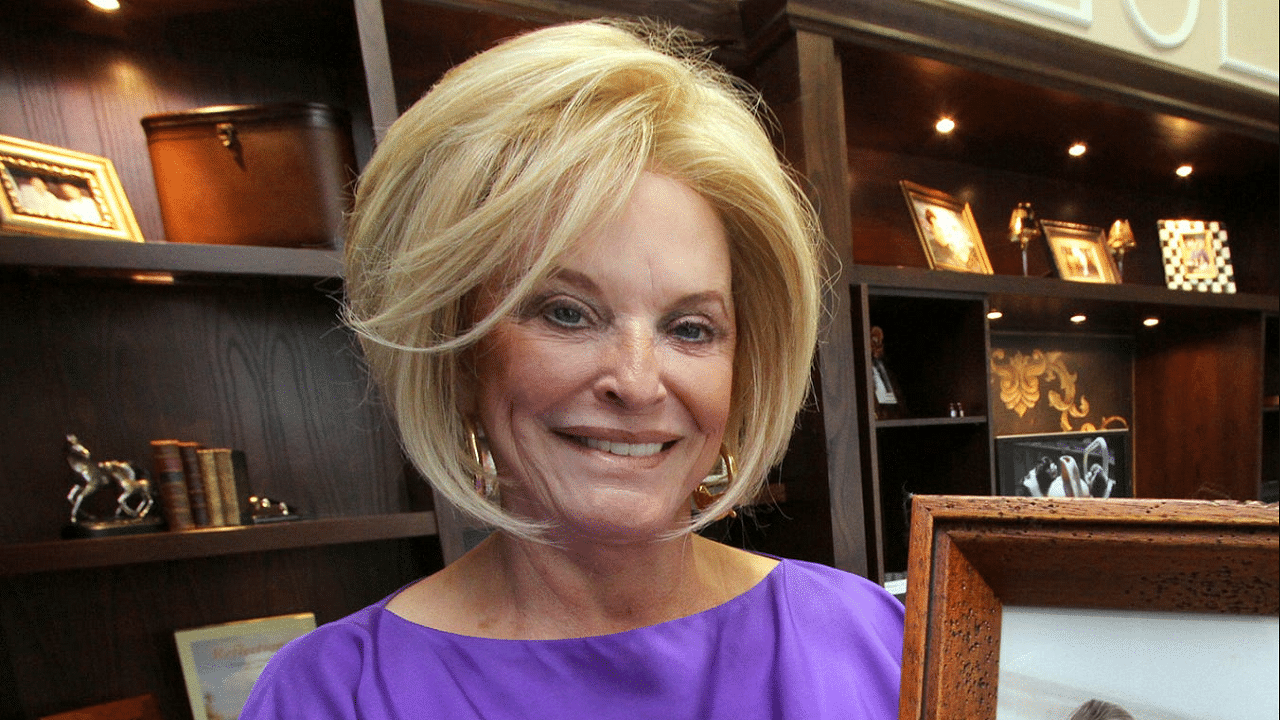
x=692, y=331
x=565, y=315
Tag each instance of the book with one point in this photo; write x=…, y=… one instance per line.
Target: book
x=171, y=484
x=213, y=496
x=235, y=485
x=195, y=483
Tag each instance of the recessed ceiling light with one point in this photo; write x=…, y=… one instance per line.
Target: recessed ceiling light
x=1077, y=149
x=1079, y=318
x=994, y=314
x=108, y=5
x=1151, y=321
x=1183, y=170
x=945, y=125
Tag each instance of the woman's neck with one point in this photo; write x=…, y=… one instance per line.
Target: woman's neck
x=514, y=589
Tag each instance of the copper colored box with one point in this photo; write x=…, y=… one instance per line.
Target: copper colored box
x=253, y=174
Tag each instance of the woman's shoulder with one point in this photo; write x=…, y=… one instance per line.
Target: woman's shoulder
x=304, y=676
x=814, y=589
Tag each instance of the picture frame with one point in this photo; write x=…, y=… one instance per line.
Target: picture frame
x=142, y=707
x=1092, y=463
x=973, y=558
x=1196, y=256
x=221, y=662
x=946, y=229
x=52, y=191
x=1080, y=252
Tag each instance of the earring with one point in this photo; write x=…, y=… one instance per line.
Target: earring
x=483, y=480
x=703, y=497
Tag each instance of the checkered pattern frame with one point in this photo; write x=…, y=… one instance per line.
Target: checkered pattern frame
x=1215, y=275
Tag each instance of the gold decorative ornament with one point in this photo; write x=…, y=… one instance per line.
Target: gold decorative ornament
x=703, y=497
x=484, y=477
x=1023, y=229
x=1119, y=241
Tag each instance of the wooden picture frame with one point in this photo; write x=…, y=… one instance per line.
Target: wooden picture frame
x=973, y=556
x=1196, y=256
x=47, y=190
x=142, y=707
x=946, y=229
x=221, y=662
x=1080, y=252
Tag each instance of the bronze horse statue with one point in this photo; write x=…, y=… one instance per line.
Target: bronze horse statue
x=135, y=498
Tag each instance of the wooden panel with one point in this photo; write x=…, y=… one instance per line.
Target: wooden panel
x=79, y=638
x=1197, y=409
x=250, y=364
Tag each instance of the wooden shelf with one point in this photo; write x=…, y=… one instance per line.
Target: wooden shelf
x=127, y=258
x=62, y=555
x=931, y=422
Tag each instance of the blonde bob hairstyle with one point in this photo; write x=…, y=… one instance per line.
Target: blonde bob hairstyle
x=515, y=154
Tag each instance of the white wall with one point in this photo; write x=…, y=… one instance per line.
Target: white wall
x=1237, y=41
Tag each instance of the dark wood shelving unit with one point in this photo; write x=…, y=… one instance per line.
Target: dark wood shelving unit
x=244, y=348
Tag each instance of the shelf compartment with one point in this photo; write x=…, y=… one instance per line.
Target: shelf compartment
x=62, y=555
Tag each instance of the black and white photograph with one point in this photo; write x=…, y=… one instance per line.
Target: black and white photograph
x=1075, y=464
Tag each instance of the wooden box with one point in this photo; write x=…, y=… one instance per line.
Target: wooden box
x=275, y=174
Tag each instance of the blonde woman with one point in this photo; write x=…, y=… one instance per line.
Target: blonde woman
x=588, y=289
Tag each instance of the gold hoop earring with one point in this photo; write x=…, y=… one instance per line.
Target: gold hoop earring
x=483, y=481
x=703, y=498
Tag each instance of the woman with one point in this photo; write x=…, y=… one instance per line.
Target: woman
x=583, y=282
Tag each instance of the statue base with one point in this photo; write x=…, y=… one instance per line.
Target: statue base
x=111, y=528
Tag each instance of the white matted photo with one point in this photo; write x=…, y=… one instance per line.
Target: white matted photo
x=220, y=663
x=1172, y=666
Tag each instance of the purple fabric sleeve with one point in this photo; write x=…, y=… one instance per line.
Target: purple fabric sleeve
x=807, y=642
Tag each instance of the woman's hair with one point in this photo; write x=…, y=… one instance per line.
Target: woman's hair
x=1100, y=710
x=516, y=154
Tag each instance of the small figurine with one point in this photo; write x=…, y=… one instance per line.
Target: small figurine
x=1023, y=229
x=134, y=501
x=264, y=509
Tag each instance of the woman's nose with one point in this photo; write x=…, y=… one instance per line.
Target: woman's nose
x=631, y=376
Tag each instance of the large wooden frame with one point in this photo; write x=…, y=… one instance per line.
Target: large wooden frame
x=970, y=556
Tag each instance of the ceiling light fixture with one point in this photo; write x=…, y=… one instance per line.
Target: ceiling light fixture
x=994, y=314
x=1183, y=170
x=945, y=125
x=1151, y=321
x=1079, y=318
x=1077, y=149
x=107, y=5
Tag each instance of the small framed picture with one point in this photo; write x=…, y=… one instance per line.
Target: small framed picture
x=946, y=229
x=52, y=191
x=1196, y=256
x=220, y=663
x=1080, y=252
x=1092, y=463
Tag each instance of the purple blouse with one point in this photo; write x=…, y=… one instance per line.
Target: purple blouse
x=808, y=642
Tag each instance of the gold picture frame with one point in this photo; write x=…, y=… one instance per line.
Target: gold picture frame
x=52, y=191
x=946, y=229
x=1080, y=252
x=221, y=662
x=971, y=557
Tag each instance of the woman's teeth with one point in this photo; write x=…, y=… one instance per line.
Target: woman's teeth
x=620, y=448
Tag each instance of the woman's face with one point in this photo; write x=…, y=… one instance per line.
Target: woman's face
x=605, y=399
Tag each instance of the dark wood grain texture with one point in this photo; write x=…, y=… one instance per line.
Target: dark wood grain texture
x=972, y=556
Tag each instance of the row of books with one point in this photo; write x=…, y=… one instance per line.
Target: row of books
x=199, y=486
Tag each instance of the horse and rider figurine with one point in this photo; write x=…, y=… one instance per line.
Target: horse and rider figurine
x=132, y=504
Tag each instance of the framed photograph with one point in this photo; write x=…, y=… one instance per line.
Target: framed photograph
x=1080, y=252
x=1033, y=607
x=946, y=229
x=220, y=663
x=1196, y=256
x=1069, y=464
x=63, y=193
